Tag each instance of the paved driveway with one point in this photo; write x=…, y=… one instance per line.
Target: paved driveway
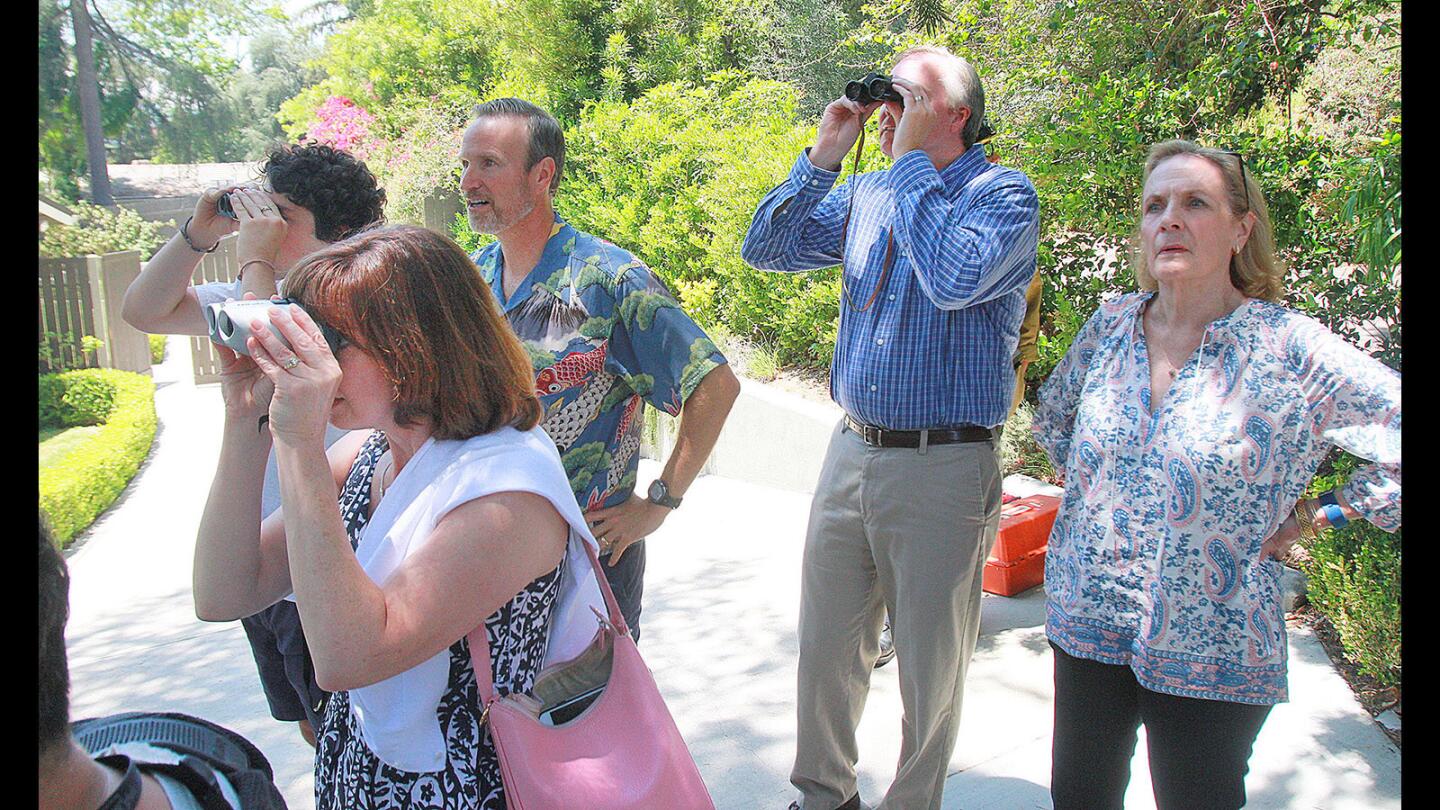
x=720, y=615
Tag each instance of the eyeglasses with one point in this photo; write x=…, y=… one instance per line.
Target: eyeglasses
x=1241, y=158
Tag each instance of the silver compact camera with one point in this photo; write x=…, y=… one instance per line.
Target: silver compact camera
x=230, y=321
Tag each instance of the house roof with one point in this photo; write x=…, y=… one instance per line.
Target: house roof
x=140, y=180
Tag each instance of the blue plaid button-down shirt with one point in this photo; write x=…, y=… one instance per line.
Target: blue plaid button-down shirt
x=936, y=347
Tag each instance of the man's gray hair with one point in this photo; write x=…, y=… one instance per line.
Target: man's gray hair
x=547, y=137
x=962, y=88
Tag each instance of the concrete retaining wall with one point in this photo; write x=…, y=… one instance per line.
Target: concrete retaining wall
x=772, y=437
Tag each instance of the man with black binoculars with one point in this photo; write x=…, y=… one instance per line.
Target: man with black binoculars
x=936, y=253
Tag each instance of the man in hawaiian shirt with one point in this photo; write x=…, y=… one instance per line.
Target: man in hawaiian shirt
x=604, y=335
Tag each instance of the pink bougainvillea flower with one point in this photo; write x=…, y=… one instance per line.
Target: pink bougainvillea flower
x=343, y=124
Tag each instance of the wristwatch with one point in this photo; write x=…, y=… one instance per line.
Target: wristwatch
x=659, y=495
x=1330, y=505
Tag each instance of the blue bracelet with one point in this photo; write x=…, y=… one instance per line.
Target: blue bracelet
x=1330, y=505
x=1335, y=515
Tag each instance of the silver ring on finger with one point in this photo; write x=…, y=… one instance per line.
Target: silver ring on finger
x=265, y=209
x=290, y=362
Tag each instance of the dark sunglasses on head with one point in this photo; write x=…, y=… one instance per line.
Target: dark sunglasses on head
x=1241, y=158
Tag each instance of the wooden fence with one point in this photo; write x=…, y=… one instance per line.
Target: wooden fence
x=222, y=265
x=80, y=296
x=440, y=209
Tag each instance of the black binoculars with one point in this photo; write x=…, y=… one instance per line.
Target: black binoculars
x=225, y=207
x=872, y=87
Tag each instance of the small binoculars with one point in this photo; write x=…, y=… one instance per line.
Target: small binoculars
x=230, y=321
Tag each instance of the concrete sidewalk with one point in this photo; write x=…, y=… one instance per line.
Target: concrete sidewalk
x=720, y=616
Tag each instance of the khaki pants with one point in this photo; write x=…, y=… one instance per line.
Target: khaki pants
x=906, y=531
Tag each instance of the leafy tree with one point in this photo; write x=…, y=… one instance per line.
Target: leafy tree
x=675, y=176
x=811, y=45
x=276, y=72
x=397, y=55
x=155, y=67
x=422, y=160
x=61, y=154
x=325, y=16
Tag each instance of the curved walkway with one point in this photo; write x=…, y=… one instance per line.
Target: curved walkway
x=720, y=614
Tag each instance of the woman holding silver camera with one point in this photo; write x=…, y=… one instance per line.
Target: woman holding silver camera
x=453, y=512
x=1189, y=418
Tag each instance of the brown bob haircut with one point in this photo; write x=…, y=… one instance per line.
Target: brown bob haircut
x=410, y=298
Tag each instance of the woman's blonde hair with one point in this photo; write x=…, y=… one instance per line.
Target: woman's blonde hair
x=1254, y=271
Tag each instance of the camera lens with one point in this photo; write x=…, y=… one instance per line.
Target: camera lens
x=225, y=207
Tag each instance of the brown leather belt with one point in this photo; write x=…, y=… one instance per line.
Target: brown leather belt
x=880, y=437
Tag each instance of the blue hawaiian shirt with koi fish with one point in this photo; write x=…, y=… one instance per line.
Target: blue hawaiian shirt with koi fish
x=1154, y=559
x=604, y=336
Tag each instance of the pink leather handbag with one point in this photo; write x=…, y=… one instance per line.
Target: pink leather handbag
x=622, y=751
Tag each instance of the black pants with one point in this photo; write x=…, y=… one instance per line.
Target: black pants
x=1199, y=749
x=627, y=582
x=283, y=658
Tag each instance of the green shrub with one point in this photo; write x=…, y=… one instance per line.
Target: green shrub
x=69, y=399
x=102, y=230
x=55, y=352
x=76, y=490
x=87, y=400
x=1354, y=580
x=675, y=177
x=52, y=388
x=421, y=158
x=1019, y=452
x=157, y=348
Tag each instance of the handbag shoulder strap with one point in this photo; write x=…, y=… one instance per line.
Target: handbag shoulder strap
x=479, y=640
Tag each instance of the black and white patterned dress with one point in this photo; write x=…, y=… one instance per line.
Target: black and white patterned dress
x=348, y=775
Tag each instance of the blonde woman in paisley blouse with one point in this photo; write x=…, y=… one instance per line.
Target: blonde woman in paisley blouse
x=1189, y=419
x=453, y=511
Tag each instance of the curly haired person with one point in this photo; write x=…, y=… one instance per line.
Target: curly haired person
x=307, y=197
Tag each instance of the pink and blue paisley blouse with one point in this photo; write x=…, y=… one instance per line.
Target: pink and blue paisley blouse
x=1154, y=559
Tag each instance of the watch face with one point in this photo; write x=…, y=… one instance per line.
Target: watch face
x=657, y=490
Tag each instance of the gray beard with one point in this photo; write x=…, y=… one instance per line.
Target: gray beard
x=497, y=220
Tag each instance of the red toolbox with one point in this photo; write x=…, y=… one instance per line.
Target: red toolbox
x=1017, y=562
x=1024, y=527
x=1008, y=579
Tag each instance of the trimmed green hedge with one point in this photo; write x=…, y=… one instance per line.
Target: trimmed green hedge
x=76, y=490
x=1354, y=579
x=157, y=349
